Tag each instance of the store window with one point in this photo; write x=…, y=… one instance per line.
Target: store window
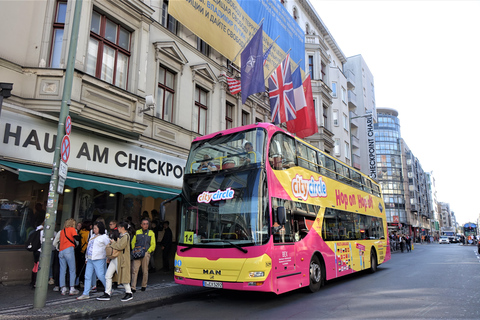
x=23, y=208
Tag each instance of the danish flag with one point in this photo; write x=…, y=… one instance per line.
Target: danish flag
x=282, y=100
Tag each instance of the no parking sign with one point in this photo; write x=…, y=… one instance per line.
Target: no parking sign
x=65, y=149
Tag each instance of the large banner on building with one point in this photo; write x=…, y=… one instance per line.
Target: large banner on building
x=228, y=25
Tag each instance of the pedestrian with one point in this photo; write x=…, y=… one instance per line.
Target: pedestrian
x=402, y=242
x=68, y=236
x=56, y=262
x=96, y=258
x=120, y=265
x=408, y=241
x=166, y=246
x=80, y=252
x=36, y=252
x=146, y=238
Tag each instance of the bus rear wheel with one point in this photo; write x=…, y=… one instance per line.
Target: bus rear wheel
x=316, y=275
x=373, y=262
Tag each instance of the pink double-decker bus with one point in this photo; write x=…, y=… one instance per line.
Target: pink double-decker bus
x=261, y=210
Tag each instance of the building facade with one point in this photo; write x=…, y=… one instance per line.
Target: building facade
x=362, y=115
x=407, y=188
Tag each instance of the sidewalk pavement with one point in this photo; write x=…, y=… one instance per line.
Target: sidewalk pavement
x=16, y=301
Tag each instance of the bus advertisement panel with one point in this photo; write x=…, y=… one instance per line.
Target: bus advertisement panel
x=264, y=211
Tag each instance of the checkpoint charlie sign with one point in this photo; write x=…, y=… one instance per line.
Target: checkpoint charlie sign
x=33, y=140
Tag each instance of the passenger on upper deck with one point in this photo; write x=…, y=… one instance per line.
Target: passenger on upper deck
x=252, y=155
x=206, y=164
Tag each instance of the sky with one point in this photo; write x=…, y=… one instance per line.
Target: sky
x=425, y=60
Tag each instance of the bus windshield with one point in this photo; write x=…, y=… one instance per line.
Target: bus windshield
x=224, y=209
x=227, y=151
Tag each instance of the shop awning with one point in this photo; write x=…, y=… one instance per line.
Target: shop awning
x=75, y=180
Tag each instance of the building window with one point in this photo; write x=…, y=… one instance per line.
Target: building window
x=108, y=51
x=295, y=14
x=229, y=115
x=168, y=21
x=310, y=66
x=334, y=89
x=58, y=29
x=347, y=150
x=345, y=122
x=325, y=116
x=203, y=47
x=344, y=95
x=165, y=94
x=258, y=120
x=245, y=117
x=324, y=71
x=200, y=112
x=335, y=118
x=337, y=147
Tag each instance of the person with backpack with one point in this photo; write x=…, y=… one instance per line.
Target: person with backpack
x=34, y=244
x=145, y=239
x=68, y=236
x=84, y=233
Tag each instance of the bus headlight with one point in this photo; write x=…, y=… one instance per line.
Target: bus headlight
x=178, y=270
x=256, y=274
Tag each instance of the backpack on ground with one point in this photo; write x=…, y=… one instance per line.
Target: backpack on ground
x=33, y=242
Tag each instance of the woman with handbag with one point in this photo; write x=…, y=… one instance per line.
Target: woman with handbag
x=120, y=264
x=95, y=258
x=68, y=236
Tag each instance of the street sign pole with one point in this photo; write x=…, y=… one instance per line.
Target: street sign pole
x=41, y=286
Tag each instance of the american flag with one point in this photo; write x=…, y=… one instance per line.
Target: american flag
x=282, y=101
x=265, y=55
x=234, y=85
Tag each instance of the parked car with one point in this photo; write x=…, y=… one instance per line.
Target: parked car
x=443, y=239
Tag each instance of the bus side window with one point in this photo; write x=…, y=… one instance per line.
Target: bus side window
x=312, y=158
x=330, y=228
x=302, y=155
x=288, y=152
x=330, y=166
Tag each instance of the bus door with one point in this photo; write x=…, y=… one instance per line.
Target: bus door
x=284, y=256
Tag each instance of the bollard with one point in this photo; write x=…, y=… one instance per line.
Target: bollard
x=413, y=246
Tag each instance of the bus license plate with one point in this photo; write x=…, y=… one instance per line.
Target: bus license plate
x=213, y=284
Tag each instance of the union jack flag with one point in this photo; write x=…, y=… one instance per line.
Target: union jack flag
x=282, y=100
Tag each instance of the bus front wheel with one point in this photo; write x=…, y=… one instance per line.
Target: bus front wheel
x=316, y=274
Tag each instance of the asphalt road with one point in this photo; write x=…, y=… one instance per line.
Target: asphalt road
x=432, y=282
